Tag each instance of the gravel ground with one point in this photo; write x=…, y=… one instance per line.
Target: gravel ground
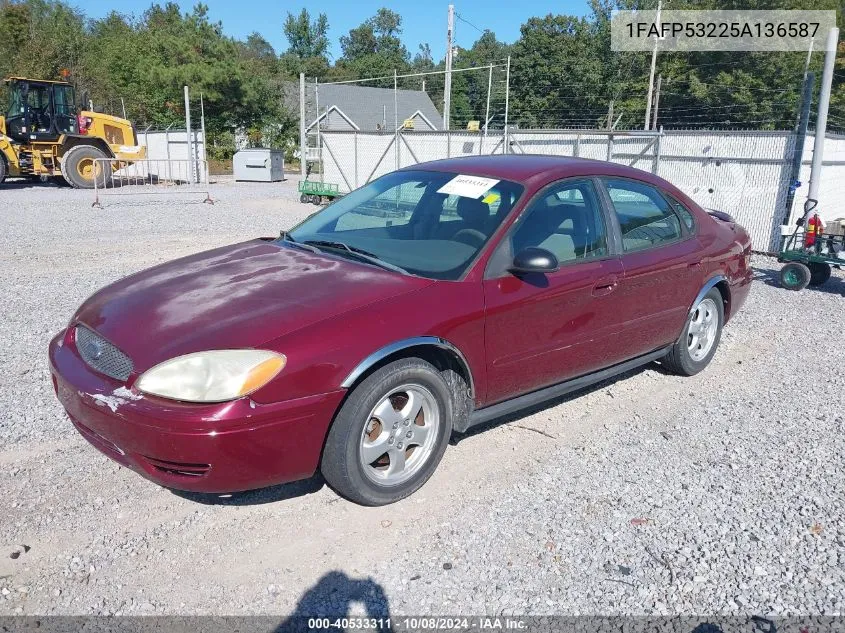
x=652, y=494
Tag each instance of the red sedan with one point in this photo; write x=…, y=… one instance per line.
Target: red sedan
x=433, y=299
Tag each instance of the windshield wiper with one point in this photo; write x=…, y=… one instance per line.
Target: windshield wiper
x=287, y=237
x=357, y=252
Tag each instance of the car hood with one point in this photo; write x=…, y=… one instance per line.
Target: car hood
x=238, y=296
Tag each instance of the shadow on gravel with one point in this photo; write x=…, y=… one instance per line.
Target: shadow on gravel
x=771, y=277
x=26, y=183
x=548, y=404
x=107, y=203
x=332, y=597
x=261, y=496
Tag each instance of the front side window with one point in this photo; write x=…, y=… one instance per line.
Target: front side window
x=645, y=218
x=565, y=220
x=419, y=221
x=65, y=100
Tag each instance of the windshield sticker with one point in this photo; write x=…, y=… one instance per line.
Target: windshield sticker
x=490, y=198
x=467, y=186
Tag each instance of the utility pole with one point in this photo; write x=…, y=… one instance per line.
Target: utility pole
x=506, y=149
x=800, y=137
x=303, y=141
x=202, y=129
x=447, y=90
x=396, y=118
x=609, y=124
x=806, y=71
x=651, y=74
x=188, y=133
x=821, y=125
x=317, y=113
x=809, y=57
x=656, y=102
x=487, y=112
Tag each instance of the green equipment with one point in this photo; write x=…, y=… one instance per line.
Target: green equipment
x=809, y=254
x=313, y=191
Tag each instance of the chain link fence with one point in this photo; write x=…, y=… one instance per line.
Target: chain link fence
x=744, y=173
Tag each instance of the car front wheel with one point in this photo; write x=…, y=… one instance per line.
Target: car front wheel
x=695, y=348
x=390, y=434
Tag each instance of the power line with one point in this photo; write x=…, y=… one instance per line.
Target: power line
x=465, y=21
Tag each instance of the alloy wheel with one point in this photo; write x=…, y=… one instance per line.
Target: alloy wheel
x=702, y=329
x=400, y=435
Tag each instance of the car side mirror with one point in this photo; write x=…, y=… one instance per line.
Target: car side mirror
x=534, y=260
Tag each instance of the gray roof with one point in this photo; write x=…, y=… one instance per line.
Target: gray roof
x=363, y=108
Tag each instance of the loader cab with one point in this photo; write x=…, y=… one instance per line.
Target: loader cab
x=40, y=111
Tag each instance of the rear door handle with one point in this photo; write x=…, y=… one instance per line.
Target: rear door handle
x=605, y=285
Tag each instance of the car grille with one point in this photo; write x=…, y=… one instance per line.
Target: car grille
x=101, y=355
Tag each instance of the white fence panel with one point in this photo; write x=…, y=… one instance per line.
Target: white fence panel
x=744, y=173
x=173, y=144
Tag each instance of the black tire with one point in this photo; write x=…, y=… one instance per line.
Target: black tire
x=819, y=273
x=315, y=199
x=305, y=198
x=680, y=360
x=3, y=169
x=80, y=172
x=341, y=464
x=795, y=276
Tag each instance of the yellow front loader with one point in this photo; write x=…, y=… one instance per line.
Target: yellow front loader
x=43, y=134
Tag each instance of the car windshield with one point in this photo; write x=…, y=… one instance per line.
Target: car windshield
x=427, y=223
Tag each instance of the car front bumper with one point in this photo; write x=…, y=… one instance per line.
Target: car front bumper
x=221, y=447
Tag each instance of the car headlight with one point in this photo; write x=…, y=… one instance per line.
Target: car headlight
x=213, y=376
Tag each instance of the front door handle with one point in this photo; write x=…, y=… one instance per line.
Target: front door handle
x=605, y=285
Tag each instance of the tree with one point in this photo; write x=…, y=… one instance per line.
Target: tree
x=469, y=89
x=557, y=73
x=374, y=47
x=306, y=37
x=308, y=45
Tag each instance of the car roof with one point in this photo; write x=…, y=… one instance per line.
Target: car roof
x=535, y=169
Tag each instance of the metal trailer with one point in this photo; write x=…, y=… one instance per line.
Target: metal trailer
x=808, y=262
x=313, y=191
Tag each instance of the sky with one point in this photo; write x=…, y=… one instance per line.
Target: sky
x=421, y=21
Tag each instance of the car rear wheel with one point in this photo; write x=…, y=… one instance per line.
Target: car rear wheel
x=695, y=348
x=390, y=434
x=795, y=276
x=819, y=273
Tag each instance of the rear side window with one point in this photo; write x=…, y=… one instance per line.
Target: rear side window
x=645, y=217
x=685, y=214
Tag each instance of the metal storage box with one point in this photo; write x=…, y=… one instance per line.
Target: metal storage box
x=259, y=165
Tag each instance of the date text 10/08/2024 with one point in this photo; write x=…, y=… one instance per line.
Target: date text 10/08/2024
x=417, y=623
